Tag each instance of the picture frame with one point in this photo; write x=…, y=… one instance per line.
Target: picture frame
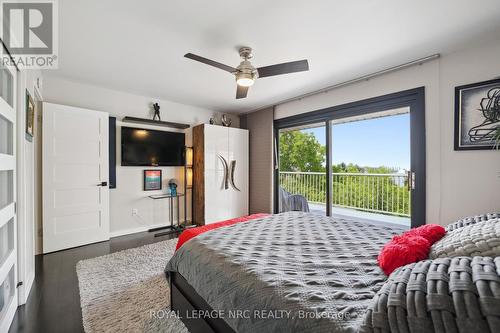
x=477, y=115
x=152, y=180
x=30, y=117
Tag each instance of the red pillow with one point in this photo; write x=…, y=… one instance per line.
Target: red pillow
x=411, y=246
x=431, y=232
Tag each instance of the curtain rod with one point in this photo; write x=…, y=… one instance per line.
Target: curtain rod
x=419, y=61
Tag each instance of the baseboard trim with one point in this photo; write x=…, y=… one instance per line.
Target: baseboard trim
x=130, y=231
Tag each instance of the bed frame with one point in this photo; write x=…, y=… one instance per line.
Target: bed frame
x=184, y=300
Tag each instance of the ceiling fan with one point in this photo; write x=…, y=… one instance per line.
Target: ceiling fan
x=246, y=74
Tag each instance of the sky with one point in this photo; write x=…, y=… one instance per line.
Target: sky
x=375, y=142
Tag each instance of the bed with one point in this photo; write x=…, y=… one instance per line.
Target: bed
x=290, y=272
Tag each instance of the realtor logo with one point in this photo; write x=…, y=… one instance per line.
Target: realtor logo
x=29, y=31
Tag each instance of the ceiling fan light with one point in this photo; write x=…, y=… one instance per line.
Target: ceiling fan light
x=245, y=82
x=245, y=79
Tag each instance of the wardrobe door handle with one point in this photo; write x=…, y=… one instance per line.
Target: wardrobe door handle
x=103, y=184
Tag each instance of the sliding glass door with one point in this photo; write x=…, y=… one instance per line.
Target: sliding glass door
x=302, y=166
x=370, y=167
x=364, y=160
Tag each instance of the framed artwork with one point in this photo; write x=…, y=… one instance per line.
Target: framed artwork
x=30, y=117
x=152, y=180
x=477, y=115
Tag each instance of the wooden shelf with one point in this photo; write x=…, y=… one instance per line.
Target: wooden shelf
x=155, y=122
x=165, y=195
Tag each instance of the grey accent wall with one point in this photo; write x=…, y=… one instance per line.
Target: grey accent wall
x=260, y=126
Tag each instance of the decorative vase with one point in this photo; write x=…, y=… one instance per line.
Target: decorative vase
x=226, y=121
x=172, y=187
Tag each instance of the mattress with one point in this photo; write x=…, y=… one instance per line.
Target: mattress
x=290, y=272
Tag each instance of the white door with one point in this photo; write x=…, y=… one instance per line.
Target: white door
x=75, y=176
x=8, y=223
x=238, y=152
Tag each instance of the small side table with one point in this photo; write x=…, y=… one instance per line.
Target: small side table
x=173, y=227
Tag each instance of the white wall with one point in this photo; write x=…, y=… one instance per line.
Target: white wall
x=129, y=193
x=470, y=180
x=459, y=183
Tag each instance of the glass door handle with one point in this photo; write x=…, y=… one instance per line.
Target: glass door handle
x=411, y=180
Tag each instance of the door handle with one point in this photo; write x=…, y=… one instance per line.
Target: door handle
x=411, y=180
x=408, y=173
x=103, y=184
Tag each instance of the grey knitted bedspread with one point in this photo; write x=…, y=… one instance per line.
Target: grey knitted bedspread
x=459, y=294
x=291, y=272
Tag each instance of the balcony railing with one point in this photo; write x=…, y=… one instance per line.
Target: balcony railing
x=380, y=193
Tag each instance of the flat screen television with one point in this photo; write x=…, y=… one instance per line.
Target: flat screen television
x=145, y=147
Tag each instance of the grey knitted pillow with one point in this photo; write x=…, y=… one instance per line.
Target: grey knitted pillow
x=471, y=220
x=443, y=295
x=479, y=239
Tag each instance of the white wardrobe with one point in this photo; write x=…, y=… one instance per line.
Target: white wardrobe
x=220, y=173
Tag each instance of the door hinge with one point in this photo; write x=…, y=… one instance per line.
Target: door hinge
x=20, y=283
x=15, y=207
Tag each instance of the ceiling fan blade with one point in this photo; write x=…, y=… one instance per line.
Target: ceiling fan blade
x=211, y=62
x=241, y=92
x=284, y=68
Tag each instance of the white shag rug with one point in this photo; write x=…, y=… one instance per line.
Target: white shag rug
x=127, y=291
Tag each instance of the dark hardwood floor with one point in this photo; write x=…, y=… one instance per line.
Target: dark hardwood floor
x=54, y=302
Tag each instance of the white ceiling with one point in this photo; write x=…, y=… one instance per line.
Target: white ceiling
x=138, y=46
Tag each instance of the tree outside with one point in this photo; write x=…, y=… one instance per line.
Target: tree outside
x=301, y=151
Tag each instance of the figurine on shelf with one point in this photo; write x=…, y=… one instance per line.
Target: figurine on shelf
x=172, y=185
x=212, y=121
x=226, y=121
x=156, y=107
